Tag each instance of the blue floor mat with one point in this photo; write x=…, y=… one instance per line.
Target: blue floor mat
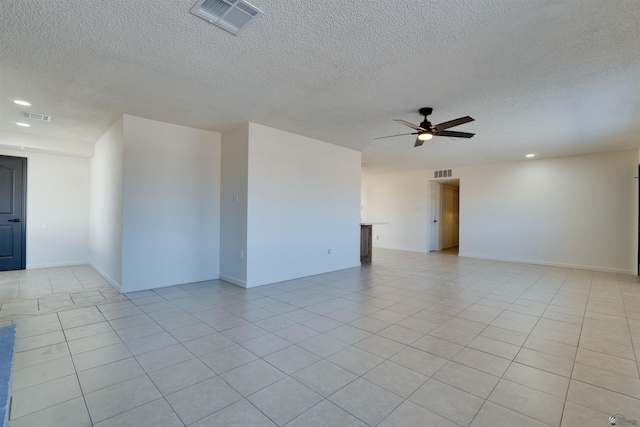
x=7, y=346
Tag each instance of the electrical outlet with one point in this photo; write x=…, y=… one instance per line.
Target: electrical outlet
x=534, y=248
x=329, y=251
x=242, y=254
x=377, y=237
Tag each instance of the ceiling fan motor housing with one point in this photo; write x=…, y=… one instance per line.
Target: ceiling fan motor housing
x=425, y=111
x=426, y=124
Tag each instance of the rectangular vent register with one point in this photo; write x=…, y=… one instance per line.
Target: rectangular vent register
x=28, y=115
x=230, y=15
x=445, y=173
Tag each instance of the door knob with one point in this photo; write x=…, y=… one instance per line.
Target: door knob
x=15, y=220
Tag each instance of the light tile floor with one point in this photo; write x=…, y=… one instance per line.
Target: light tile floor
x=411, y=340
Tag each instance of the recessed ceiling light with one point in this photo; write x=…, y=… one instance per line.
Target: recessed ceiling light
x=24, y=125
x=19, y=102
x=530, y=155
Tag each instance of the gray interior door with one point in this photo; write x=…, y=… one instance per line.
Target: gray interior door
x=13, y=186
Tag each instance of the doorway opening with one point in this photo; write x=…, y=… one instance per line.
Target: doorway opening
x=444, y=216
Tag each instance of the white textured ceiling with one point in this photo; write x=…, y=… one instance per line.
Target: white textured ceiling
x=552, y=77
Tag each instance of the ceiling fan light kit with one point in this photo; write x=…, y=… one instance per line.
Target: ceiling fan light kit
x=426, y=130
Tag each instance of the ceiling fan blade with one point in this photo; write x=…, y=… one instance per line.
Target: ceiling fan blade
x=454, y=134
x=418, y=143
x=393, y=136
x=411, y=125
x=452, y=123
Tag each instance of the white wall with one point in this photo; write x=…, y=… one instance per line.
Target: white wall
x=233, y=209
x=577, y=211
x=303, y=200
x=57, y=198
x=401, y=200
x=106, y=205
x=155, y=211
x=170, y=204
x=46, y=145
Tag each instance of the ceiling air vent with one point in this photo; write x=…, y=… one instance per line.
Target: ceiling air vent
x=35, y=116
x=230, y=15
x=446, y=173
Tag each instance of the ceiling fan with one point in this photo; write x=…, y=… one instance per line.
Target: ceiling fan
x=426, y=130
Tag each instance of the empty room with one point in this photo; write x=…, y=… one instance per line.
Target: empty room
x=262, y=213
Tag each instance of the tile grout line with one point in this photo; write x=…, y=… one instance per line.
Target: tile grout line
x=75, y=369
x=564, y=405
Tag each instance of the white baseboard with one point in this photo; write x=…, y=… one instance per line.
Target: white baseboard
x=233, y=280
x=56, y=264
x=550, y=263
x=106, y=277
